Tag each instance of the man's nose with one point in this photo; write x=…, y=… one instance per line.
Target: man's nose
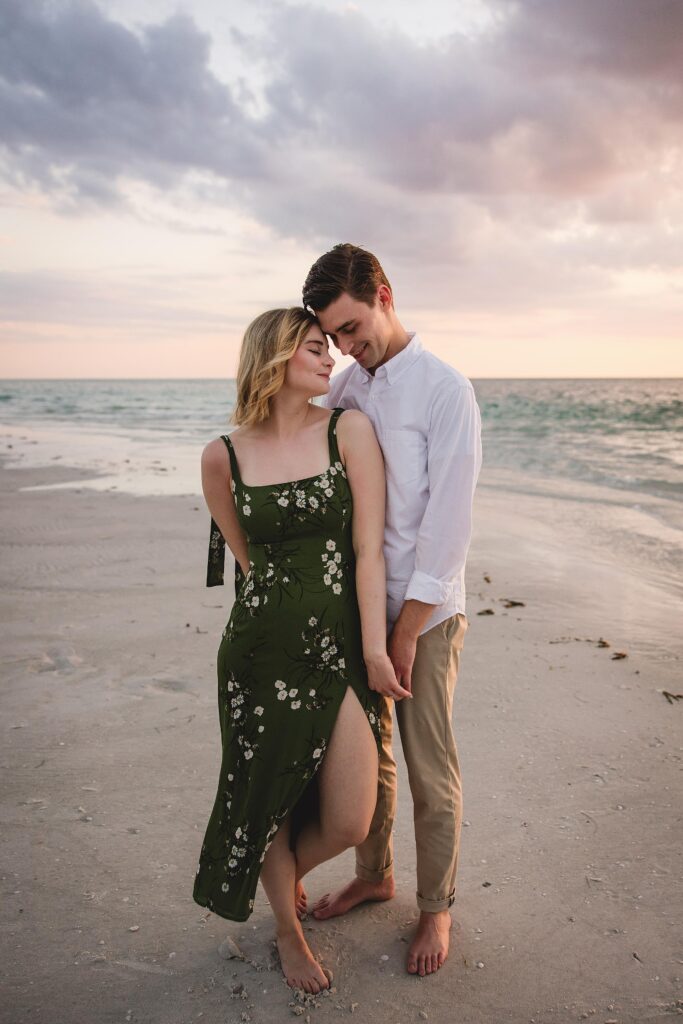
x=344, y=345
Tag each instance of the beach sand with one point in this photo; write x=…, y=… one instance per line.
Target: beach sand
x=567, y=887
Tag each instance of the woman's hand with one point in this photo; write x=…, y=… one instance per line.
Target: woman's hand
x=382, y=677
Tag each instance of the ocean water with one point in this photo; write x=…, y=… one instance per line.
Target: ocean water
x=608, y=454
x=621, y=434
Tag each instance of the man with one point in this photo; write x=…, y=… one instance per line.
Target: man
x=427, y=422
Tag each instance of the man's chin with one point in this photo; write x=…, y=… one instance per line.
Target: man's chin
x=364, y=359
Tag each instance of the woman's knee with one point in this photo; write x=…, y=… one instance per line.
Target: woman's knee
x=345, y=834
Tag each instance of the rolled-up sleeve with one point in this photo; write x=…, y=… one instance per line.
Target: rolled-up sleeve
x=453, y=464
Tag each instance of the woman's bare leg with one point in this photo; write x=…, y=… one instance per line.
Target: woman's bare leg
x=278, y=877
x=348, y=789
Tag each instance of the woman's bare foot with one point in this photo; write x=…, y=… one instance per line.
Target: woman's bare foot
x=429, y=948
x=357, y=891
x=300, y=900
x=300, y=968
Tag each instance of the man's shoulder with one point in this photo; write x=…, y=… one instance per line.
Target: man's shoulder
x=443, y=377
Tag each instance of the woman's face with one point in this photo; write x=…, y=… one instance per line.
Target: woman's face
x=310, y=367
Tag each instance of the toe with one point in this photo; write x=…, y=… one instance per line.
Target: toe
x=421, y=970
x=412, y=965
x=435, y=963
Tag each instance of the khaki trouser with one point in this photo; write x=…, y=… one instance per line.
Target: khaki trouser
x=433, y=772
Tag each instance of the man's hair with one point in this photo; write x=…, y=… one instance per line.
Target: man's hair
x=345, y=268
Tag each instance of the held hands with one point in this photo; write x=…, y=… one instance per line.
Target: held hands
x=401, y=647
x=382, y=677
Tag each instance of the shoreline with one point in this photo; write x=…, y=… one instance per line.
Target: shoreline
x=567, y=881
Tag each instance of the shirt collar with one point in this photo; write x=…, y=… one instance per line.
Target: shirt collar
x=398, y=364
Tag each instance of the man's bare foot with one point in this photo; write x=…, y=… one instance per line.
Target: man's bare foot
x=300, y=968
x=429, y=948
x=300, y=900
x=357, y=891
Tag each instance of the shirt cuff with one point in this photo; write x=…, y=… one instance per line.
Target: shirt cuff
x=429, y=589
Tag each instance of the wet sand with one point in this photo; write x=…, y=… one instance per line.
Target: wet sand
x=568, y=881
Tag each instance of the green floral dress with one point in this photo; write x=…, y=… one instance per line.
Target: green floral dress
x=290, y=649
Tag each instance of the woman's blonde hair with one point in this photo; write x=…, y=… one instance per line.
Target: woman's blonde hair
x=269, y=343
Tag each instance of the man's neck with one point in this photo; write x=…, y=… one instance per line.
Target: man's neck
x=398, y=340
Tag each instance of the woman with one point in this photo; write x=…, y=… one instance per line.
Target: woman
x=303, y=657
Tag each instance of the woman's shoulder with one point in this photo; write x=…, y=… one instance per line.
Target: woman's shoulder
x=354, y=427
x=215, y=455
x=353, y=419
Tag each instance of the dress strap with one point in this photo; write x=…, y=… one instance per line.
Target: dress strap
x=234, y=468
x=215, y=568
x=332, y=436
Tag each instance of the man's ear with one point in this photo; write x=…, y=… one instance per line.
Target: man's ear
x=386, y=299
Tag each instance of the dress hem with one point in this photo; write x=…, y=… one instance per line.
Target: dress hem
x=221, y=913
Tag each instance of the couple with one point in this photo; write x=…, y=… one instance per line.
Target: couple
x=348, y=522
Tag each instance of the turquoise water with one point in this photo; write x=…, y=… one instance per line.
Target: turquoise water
x=622, y=434
x=601, y=460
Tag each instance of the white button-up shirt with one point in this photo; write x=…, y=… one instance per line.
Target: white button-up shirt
x=427, y=422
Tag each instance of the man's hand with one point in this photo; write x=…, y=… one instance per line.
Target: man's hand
x=401, y=647
x=382, y=678
x=402, y=642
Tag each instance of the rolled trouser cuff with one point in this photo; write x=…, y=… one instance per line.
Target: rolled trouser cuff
x=435, y=906
x=373, y=876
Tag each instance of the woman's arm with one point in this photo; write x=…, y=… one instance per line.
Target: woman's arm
x=216, y=481
x=365, y=470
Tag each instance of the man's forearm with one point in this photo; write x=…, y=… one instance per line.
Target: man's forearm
x=412, y=617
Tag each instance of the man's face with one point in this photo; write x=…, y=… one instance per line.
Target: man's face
x=358, y=329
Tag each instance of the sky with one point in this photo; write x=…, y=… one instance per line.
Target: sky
x=170, y=169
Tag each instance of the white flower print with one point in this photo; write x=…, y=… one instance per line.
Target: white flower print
x=258, y=711
x=311, y=693
x=248, y=754
x=279, y=685
x=336, y=588
x=296, y=704
x=313, y=502
x=246, y=510
x=260, y=728
x=337, y=556
x=312, y=621
x=282, y=695
x=255, y=601
x=225, y=887
x=328, y=579
x=283, y=501
x=293, y=693
x=331, y=545
x=317, y=753
x=328, y=492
